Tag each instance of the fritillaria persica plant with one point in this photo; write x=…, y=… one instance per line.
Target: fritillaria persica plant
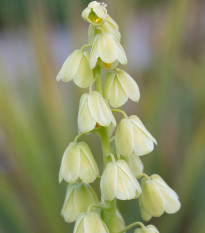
x=123, y=176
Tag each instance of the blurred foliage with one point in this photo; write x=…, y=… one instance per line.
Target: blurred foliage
x=38, y=115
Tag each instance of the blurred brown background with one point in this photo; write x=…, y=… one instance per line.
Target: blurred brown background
x=165, y=45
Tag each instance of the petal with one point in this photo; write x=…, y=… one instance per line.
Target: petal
x=108, y=183
x=94, y=224
x=85, y=120
x=79, y=225
x=99, y=109
x=121, y=56
x=129, y=85
x=94, y=52
x=135, y=164
x=124, y=138
x=100, y=11
x=70, y=164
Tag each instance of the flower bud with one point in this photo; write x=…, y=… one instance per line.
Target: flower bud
x=118, y=87
x=157, y=197
x=132, y=137
x=78, y=198
x=109, y=26
x=91, y=223
x=76, y=67
x=95, y=13
x=93, y=112
x=147, y=229
x=108, y=50
x=78, y=163
x=135, y=164
x=118, y=182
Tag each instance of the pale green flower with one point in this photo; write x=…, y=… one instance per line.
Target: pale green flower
x=78, y=163
x=107, y=49
x=157, y=197
x=94, y=112
x=95, y=13
x=147, y=229
x=78, y=198
x=118, y=87
x=90, y=223
x=109, y=26
x=76, y=67
x=132, y=137
x=119, y=223
x=135, y=164
x=118, y=182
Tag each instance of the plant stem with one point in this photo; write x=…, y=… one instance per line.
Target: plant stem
x=108, y=215
x=131, y=226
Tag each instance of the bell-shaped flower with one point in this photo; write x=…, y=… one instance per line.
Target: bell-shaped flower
x=147, y=229
x=119, y=223
x=95, y=13
x=118, y=87
x=109, y=26
x=132, y=137
x=91, y=223
x=94, y=111
x=157, y=197
x=135, y=164
x=107, y=50
x=118, y=182
x=79, y=197
x=78, y=163
x=76, y=67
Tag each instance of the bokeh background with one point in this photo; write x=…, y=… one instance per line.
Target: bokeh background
x=165, y=45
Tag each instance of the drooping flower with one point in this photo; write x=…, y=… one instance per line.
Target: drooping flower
x=93, y=112
x=109, y=26
x=132, y=137
x=95, y=13
x=79, y=197
x=119, y=223
x=147, y=229
x=107, y=50
x=118, y=182
x=157, y=197
x=76, y=67
x=135, y=164
x=91, y=223
x=118, y=87
x=78, y=163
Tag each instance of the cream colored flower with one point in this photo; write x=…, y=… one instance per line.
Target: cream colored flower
x=132, y=137
x=118, y=87
x=78, y=198
x=90, y=223
x=78, y=163
x=76, y=67
x=118, y=182
x=135, y=164
x=94, y=112
x=107, y=49
x=157, y=197
x=95, y=13
x=147, y=229
x=119, y=223
x=109, y=26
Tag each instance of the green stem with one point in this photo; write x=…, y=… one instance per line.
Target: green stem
x=86, y=46
x=131, y=226
x=143, y=175
x=120, y=111
x=108, y=215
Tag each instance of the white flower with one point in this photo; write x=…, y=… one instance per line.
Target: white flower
x=135, y=164
x=107, y=49
x=118, y=182
x=118, y=87
x=76, y=67
x=78, y=198
x=109, y=26
x=147, y=229
x=132, y=137
x=157, y=197
x=90, y=223
x=93, y=112
x=95, y=13
x=78, y=163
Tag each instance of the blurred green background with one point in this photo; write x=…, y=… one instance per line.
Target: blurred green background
x=165, y=45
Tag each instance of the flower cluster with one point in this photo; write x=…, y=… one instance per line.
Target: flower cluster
x=123, y=176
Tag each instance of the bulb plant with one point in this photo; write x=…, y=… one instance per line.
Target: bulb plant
x=123, y=176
